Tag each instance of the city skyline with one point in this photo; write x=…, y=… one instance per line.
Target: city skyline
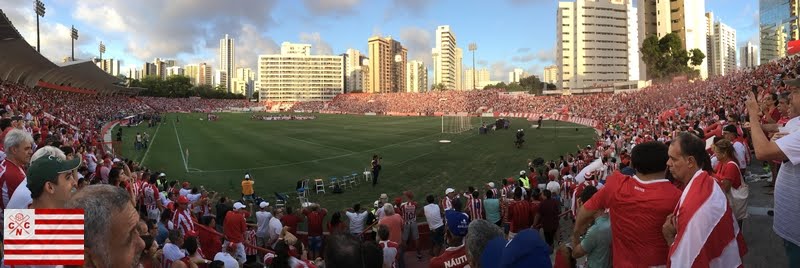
x=510, y=34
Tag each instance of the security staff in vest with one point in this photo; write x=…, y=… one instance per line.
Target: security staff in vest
x=524, y=181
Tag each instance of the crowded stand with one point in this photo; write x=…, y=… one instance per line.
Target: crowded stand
x=51, y=136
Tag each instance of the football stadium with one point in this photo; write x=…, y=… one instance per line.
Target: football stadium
x=370, y=159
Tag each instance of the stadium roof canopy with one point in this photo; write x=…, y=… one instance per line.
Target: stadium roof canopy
x=24, y=65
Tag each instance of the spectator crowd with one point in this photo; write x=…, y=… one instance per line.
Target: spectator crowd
x=666, y=176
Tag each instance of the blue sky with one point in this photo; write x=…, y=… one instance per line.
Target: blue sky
x=509, y=33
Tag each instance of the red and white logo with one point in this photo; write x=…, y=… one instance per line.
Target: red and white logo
x=19, y=223
x=43, y=237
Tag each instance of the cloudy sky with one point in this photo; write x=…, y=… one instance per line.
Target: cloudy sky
x=509, y=33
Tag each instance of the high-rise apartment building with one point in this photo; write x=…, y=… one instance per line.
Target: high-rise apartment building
x=592, y=43
x=221, y=79
x=110, y=66
x=387, y=65
x=174, y=70
x=721, y=56
x=243, y=82
x=779, y=22
x=515, y=75
x=193, y=72
x=227, y=60
x=633, y=44
x=748, y=56
x=296, y=75
x=481, y=79
x=148, y=69
x=416, y=76
x=684, y=17
x=447, y=58
x=354, y=75
x=551, y=74
x=206, y=75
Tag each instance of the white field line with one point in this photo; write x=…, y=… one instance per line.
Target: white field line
x=321, y=145
x=180, y=148
x=150, y=145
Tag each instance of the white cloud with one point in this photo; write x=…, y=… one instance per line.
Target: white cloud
x=498, y=71
x=318, y=46
x=107, y=18
x=331, y=7
x=55, y=40
x=419, y=42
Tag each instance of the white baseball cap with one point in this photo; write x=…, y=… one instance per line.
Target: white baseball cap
x=247, y=176
x=238, y=205
x=449, y=190
x=521, y=172
x=162, y=175
x=263, y=204
x=491, y=184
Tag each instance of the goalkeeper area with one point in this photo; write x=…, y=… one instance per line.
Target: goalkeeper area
x=277, y=154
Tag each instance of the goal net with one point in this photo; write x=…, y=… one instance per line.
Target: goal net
x=456, y=123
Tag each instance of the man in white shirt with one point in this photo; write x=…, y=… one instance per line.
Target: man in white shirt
x=554, y=188
x=263, y=217
x=187, y=189
x=275, y=227
x=433, y=215
x=226, y=257
x=730, y=133
x=172, y=250
x=357, y=219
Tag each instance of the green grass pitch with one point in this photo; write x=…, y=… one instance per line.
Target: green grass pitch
x=279, y=153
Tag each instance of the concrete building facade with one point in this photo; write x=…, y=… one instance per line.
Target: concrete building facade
x=387, y=65
x=684, y=17
x=227, y=60
x=721, y=58
x=481, y=77
x=296, y=75
x=416, y=76
x=550, y=74
x=515, y=75
x=354, y=71
x=447, y=58
x=749, y=56
x=592, y=43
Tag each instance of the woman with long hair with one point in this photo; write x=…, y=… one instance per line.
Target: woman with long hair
x=148, y=259
x=727, y=173
x=336, y=225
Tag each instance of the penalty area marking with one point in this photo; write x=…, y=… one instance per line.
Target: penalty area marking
x=444, y=141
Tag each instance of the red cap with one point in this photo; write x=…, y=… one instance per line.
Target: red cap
x=511, y=180
x=409, y=194
x=398, y=200
x=185, y=184
x=183, y=200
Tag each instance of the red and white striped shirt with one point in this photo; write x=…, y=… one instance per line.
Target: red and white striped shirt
x=390, y=253
x=151, y=196
x=183, y=220
x=476, y=211
x=708, y=235
x=250, y=238
x=446, y=203
x=409, y=212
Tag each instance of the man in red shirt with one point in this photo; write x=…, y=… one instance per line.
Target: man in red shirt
x=290, y=220
x=519, y=214
x=19, y=149
x=638, y=206
x=234, y=228
x=455, y=256
x=315, y=215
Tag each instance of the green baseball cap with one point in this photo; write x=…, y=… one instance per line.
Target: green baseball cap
x=47, y=169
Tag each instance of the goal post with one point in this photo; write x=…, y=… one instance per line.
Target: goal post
x=455, y=124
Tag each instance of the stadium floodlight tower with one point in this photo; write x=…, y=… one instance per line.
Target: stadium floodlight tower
x=102, y=48
x=74, y=36
x=473, y=47
x=38, y=6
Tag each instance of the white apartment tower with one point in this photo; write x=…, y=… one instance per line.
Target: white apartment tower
x=354, y=71
x=551, y=74
x=110, y=66
x=481, y=78
x=205, y=75
x=516, y=75
x=387, y=65
x=193, y=72
x=593, y=43
x=721, y=58
x=749, y=56
x=221, y=79
x=174, y=70
x=227, y=60
x=447, y=57
x=684, y=17
x=633, y=45
x=416, y=77
x=296, y=75
x=243, y=82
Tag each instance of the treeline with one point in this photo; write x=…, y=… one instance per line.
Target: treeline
x=180, y=86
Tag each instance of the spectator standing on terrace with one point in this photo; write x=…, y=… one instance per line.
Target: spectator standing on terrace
x=391, y=250
x=519, y=214
x=91, y=160
x=275, y=228
x=263, y=217
x=222, y=209
x=183, y=216
x=549, y=210
x=410, y=230
x=114, y=240
x=234, y=227
x=433, y=215
x=51, y=181
x=638, y=206
x=315, y=215
x=784, y=147
x=357, y=218
x=291, y=220
x=455, y=256
x=479, y=234
x=730, y=133
x=18, y=146
x=394, y=222
x=492, y=206
x=596, y=244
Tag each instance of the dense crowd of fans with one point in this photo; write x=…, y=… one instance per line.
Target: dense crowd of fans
x=649, y=177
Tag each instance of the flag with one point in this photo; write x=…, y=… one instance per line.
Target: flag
x=792, y=47
x=43, y=237
x=708, y=235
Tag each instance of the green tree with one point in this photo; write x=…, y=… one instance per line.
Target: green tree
x=179, y=86
x=665, y=57
x=438, y=87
